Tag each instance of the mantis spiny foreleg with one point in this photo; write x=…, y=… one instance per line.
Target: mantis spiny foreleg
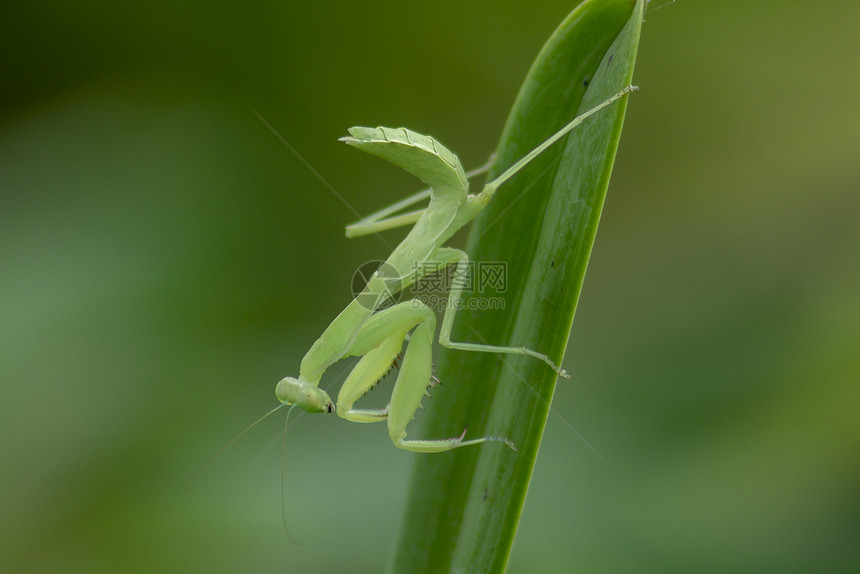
x=380, y=341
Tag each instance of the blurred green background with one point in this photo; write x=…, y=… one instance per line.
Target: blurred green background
x=164, y=260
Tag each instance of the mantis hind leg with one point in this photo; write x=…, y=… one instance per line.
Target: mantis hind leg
x=462, y=260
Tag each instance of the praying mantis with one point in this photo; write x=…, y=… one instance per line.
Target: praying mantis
x=375, y=334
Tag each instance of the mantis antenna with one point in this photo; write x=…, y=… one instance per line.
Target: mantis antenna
x=230, y=442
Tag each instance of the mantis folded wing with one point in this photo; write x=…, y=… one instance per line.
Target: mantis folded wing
x=377, y=335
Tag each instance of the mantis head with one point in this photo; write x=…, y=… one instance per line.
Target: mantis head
x=308, y=396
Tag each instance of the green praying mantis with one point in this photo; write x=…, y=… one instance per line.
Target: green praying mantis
x=375, y=334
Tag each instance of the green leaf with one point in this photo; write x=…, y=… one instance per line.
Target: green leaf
x=464, y=505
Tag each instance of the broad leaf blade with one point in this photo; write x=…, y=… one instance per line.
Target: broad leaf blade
x=465, y=505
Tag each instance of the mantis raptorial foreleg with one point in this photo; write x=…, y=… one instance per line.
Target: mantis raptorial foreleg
x=377, y=336
x=380, y=342
x=374, y=365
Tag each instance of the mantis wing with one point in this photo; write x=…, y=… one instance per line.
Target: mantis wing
x=420, y=155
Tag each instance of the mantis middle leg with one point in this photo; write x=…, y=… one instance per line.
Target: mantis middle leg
x=448, y=256
x=379, y=220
